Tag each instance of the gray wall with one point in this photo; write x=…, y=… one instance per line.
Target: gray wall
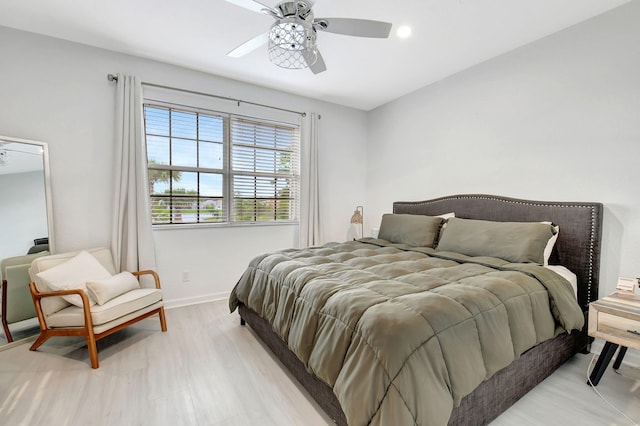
x=558, y=119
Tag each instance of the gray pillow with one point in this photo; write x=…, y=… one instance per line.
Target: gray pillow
x=411, y=229
x=519, y=242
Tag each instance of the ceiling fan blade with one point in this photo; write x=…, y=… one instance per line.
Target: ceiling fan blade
x=318, y=66
x=249, y=45
x=254, y=5
x=353, y=27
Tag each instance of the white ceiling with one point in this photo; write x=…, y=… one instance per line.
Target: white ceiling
x=448, y=36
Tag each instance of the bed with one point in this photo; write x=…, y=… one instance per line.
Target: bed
x=304, y=298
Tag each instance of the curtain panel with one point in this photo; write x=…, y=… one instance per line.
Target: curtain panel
x=131, y=238
x=310, y=232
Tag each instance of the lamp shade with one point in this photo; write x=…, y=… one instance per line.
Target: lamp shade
x=356, y=226
x=357, y=216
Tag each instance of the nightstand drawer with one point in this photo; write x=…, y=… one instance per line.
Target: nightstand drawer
x=615, y=322
x=608, y=321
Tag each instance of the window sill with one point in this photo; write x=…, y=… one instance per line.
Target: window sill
x=220, y=225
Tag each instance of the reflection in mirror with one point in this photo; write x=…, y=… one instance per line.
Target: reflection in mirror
x=25, y=230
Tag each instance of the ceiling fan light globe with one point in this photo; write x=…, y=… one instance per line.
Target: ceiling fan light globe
x=292, y=44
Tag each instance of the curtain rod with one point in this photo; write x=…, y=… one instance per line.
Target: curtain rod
x=113, y=77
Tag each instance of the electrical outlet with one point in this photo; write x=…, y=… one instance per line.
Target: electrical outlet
x=186, y=276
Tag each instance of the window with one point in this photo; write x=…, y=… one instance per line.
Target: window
x=210, y=167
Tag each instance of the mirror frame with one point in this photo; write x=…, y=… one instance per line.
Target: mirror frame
x=47, y=183
x=48, y=205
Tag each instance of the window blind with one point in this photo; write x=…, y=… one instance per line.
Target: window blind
x=265, y=168
x=211, y=167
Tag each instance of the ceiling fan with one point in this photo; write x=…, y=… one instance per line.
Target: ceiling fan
x=292, y=38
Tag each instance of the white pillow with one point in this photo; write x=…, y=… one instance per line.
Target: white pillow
x=567, y=275
x=550, y=244
x=445, y=216
x=73, y=274
x=104, y=290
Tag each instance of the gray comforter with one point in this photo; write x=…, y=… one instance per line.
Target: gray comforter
x=400, y=333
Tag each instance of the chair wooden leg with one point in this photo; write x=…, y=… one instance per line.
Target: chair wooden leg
x=3, y=312
x=163, y=319
x=93, y=351
x=7, y=332
x=43, y=337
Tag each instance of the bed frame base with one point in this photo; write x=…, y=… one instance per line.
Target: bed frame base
x=480, y=407
x=319, y=390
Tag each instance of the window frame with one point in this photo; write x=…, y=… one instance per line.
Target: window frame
x=227, y=171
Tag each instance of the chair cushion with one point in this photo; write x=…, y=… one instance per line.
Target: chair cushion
x=115, y=308
x=132, y=316
x=104, y=290
x=73, y=274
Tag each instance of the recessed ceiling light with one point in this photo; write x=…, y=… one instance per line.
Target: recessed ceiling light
x=404, y=31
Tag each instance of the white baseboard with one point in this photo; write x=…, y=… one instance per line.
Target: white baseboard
x=17, y=343
x=631, y=358
x=187, y=301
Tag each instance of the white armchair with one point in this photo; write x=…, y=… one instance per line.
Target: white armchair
x=81, y=294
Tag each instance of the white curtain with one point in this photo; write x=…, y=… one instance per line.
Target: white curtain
x=310, y=231
x=132, y=238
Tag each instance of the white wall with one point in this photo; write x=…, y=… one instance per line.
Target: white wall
x=55, y=91
x=558, y=119
x=23, y=211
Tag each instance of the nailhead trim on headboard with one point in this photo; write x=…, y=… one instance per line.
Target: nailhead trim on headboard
x=589, y=268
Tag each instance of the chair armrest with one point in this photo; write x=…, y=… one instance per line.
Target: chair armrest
x=149, y=272
x=37, y=295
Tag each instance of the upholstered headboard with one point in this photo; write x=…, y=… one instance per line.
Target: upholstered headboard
x=578, y=244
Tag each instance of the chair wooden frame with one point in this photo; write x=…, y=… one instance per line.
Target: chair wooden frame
x=87, y=330
x=3, y=313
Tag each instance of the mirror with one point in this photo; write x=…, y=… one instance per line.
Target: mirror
x=25, y=224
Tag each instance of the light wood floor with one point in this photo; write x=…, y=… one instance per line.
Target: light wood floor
x=20, y=330
x=208, y=370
